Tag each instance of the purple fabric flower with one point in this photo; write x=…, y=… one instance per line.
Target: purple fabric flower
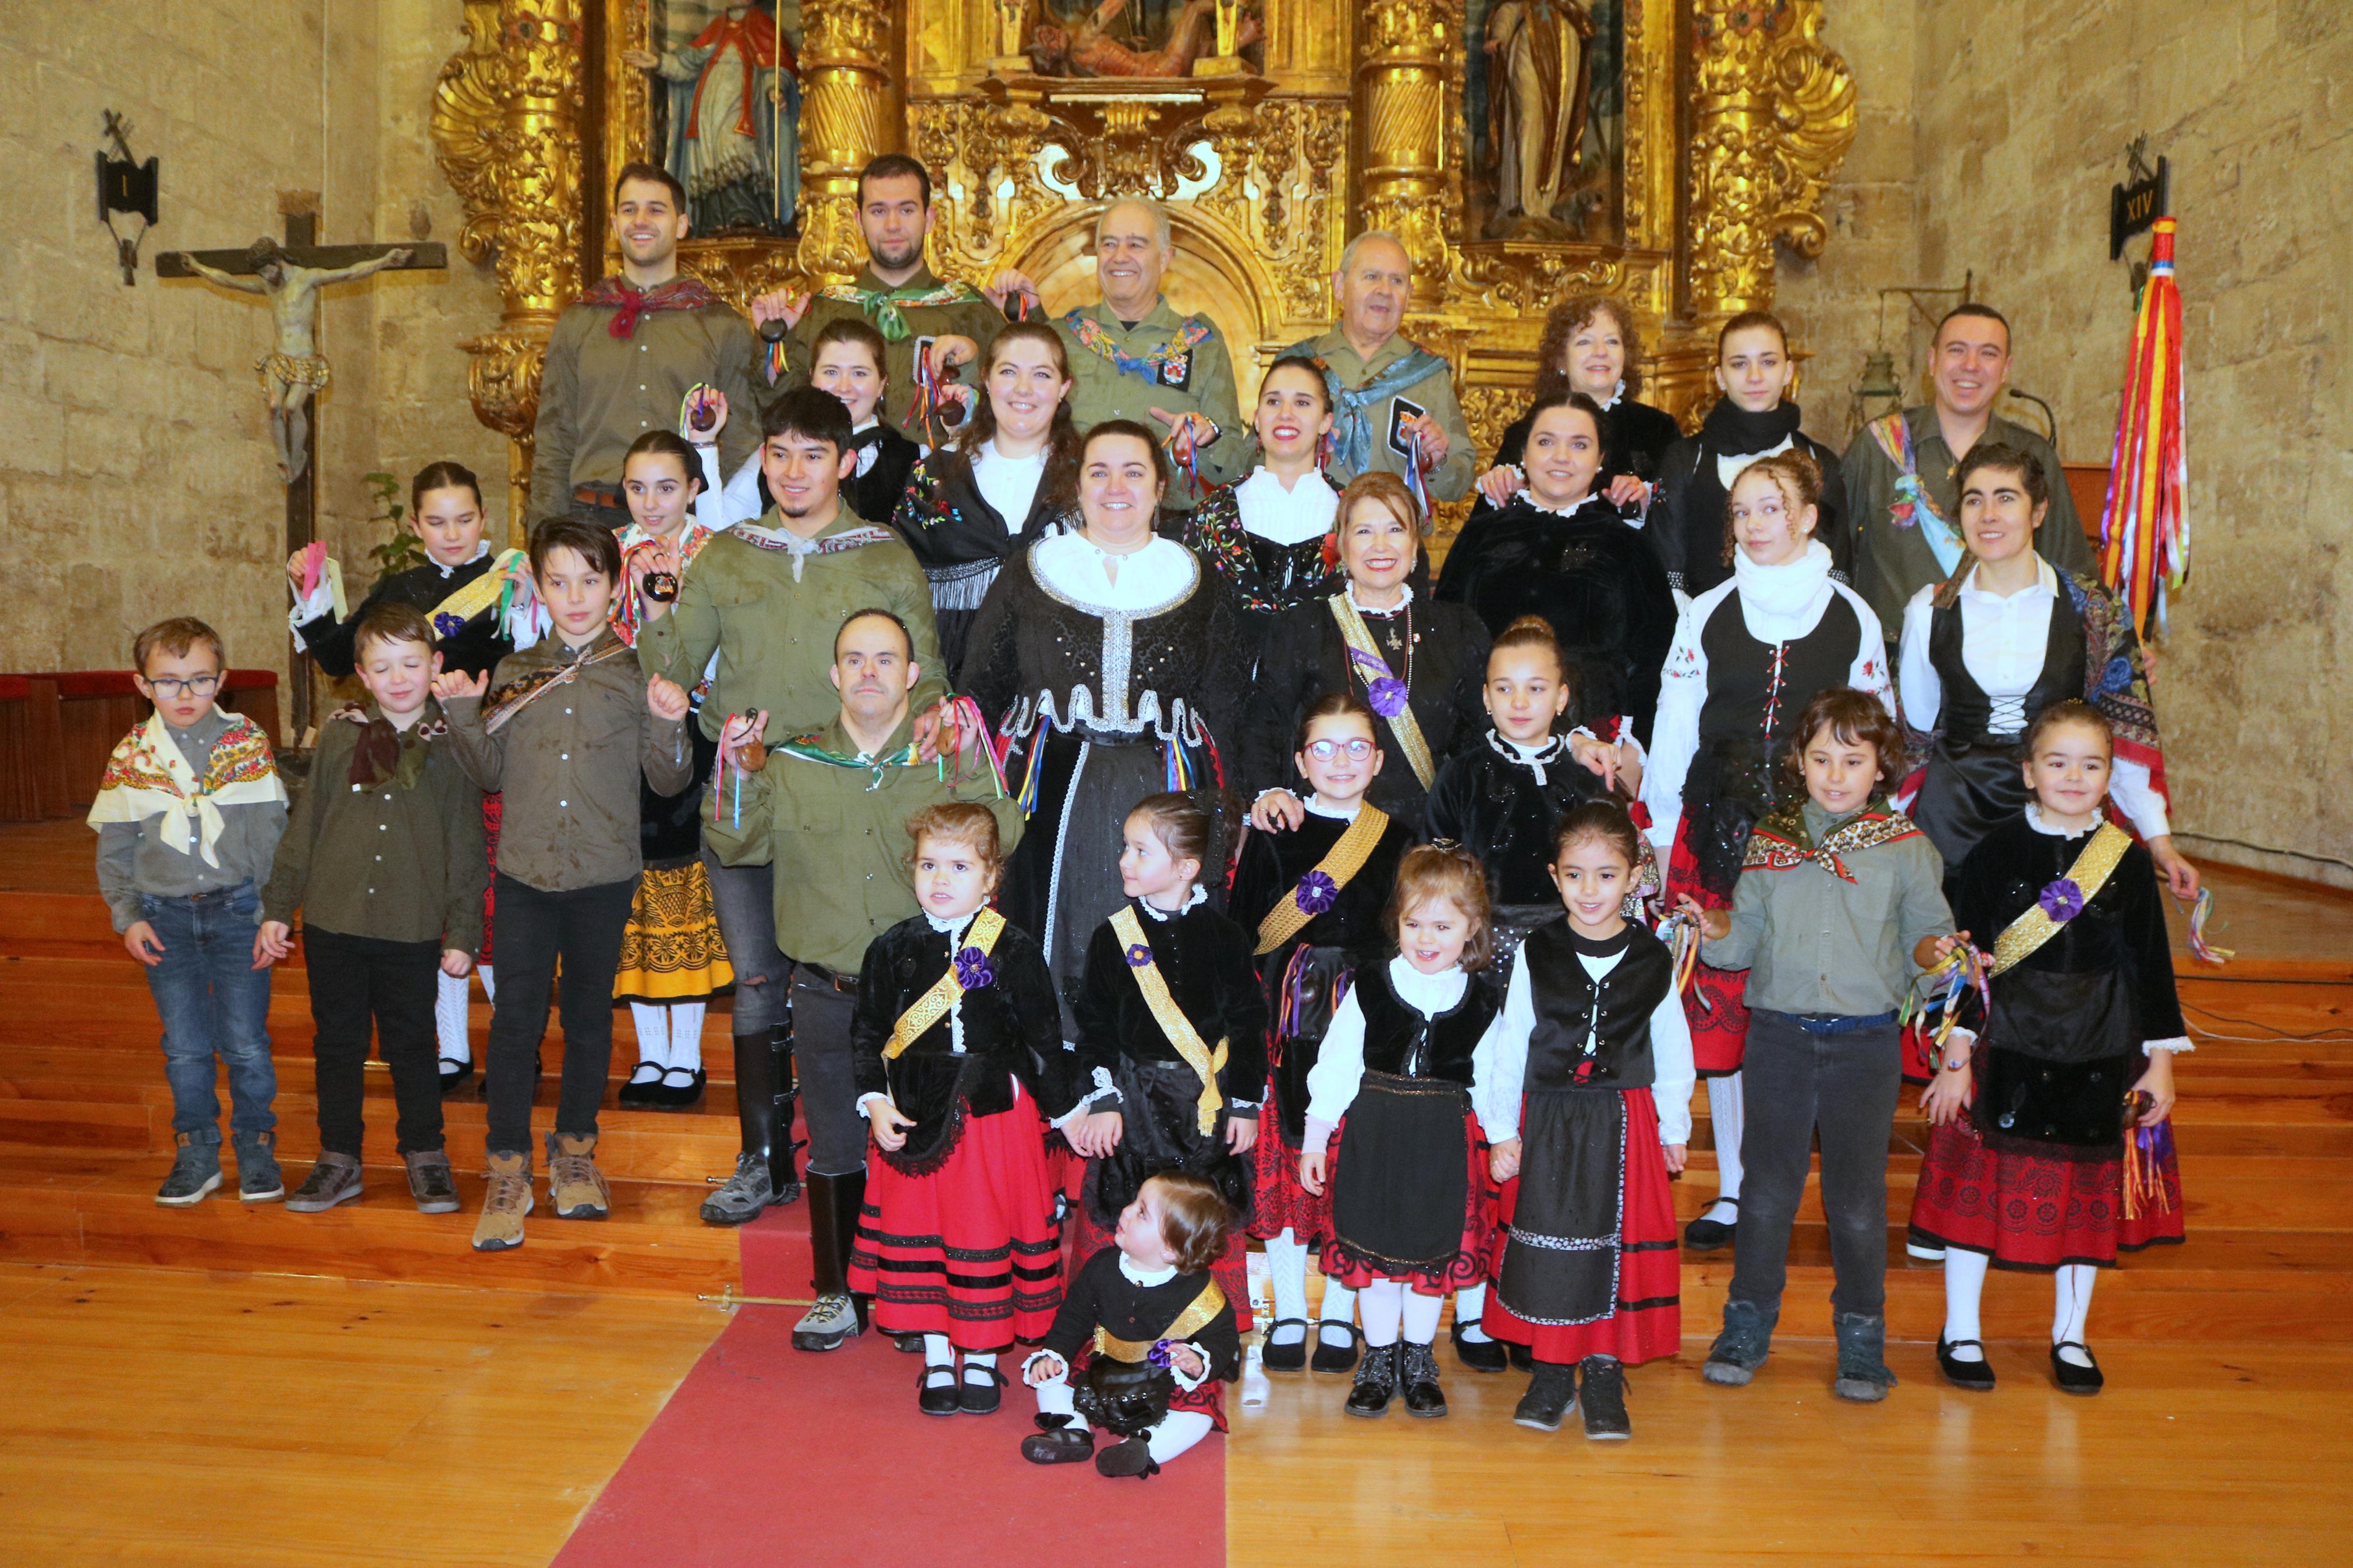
x=1158, y=1354
x=973, y=970
x=448, y=625
x=2062, y=900
x=1387, y=695
x=1138, y=957
x=1315, y=893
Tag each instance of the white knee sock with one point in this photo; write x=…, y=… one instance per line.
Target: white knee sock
x=2070, y=1291
x=1420, y=1321
x=1964, y=1274
x=1382, y=1302
x=686, y=1035
x=450, y=1017
x=489, y=994
x=1286, y=1280
x=652, y=1021
x=1470, y=1306
x=1339, y=1306
x=937, y=1351
x=1053, y=1395
x=1726, y=1114
x=982, y=1362
x=1178, y=1431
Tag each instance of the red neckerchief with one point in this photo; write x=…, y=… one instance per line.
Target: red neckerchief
x=630, y=302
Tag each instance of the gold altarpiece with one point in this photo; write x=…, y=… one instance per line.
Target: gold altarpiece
x=1343, y=115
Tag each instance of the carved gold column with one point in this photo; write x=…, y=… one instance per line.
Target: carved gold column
x=845, y=91
x=1774, y=113
x=1401, y=74
x=506, y=129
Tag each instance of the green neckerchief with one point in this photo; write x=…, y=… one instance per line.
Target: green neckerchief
x=833, y=747
x=883, y=306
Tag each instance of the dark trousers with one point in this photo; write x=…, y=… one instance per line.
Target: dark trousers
x=821, y=1060
x=584, y=928
x=744, y=898
x=356, y=981
x=1797, y=1086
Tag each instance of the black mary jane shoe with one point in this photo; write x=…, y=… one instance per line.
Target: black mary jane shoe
x=640, y=1093
x=938, y=1399
x=1336, y=1358
x=1480, y=1355
x=980, y=1398
x=1064, y=1444
x=1975, y=1376
x=1286, y=1358
x=454, y=1075
x=908, y=1344
x=1705, y=1235
x=2073, y=1379
x=671, y=1095
x=1132, y=1458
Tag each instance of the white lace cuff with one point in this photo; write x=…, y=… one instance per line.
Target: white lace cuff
x=1189, y=1383
x=2177, y=1045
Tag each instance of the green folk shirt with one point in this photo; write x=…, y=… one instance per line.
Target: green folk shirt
x=1433, y=395
x=974, y=318
x=1199, y=380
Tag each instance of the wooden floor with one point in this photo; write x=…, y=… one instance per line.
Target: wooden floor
x=249, y=1387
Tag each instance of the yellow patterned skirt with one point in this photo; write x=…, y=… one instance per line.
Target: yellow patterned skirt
x=672, y=951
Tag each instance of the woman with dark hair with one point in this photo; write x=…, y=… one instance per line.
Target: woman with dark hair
x=1561, y=551
x=1008, y=480
x=1267, y=535
x=1590, y=345
x=1108, y=662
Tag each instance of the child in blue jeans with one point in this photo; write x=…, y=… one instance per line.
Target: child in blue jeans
x=189, y=817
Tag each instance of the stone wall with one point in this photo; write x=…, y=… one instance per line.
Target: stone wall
x=138, y=479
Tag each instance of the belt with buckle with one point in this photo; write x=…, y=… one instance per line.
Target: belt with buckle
x=823, y=978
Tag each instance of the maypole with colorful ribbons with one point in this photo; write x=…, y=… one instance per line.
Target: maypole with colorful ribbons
x=2145, y=529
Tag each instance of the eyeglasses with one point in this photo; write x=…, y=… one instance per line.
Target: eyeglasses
x=201, y=686
x=1324, y=751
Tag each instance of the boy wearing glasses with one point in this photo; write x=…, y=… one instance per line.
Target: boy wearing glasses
x=189, y=819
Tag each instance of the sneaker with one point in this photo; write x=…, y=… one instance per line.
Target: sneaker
x=196, y=1172
x=1418, y=1374
x=504, y=1204
x=334, y=1179
x=1863, y=1373
x=1480, y=1355
x=259, y=1179
x=1742, y=1346
x=1065, y=1444
x=1603, y=1397
x=431, y=1183
x=744, y=1195
x=575, y=1187
x=1376, y=1382
x=826, y=1326
x=1133, y=1457
x=1551, y=1392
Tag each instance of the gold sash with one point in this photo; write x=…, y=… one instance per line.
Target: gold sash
x=933, y=1005
x=1405, y=726
x=478, y=595
x=1347, y=857
x=1190, y=1321
x=2090, y=873
x=1171, y=1018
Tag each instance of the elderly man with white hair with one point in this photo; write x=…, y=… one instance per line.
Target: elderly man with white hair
x=1134, y=356
x=1393, y=403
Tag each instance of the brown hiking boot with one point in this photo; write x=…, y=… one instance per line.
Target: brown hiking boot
x=503, y=1206
x=575, y=1187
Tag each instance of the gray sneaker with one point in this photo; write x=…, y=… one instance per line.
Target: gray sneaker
x=196, y=1172
x=1863, y=1373
x=1742, y=1347
x=744, y=1196
x=828, y=1326
x=258, y=1180
x=429, y=1182
x=334, y=1179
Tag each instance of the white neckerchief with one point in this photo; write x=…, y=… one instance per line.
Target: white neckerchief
x=1362, y=608
x=1782, y=603
x=1537, y=759
x=1314, y=803
x=1009, y=484
x=953, y=931
x=1286, y=517
x=1147, y=1278
x=2035, y=819
x=1200, y=895
x=1162, y=572
x=482, y=548
x=1428, y=994
x=1728, y=466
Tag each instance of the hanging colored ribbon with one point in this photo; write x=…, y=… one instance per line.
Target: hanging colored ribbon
x=2145, y=525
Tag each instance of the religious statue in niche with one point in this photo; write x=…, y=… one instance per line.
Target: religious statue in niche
x=295, y=370
x=728, y=121
x=1137, y=38
x=1544, y=98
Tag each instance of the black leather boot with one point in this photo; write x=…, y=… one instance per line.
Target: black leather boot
x=784, y=1163
x=833, y=1222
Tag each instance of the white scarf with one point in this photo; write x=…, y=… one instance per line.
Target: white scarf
x=1787, y=601
x=147, y=776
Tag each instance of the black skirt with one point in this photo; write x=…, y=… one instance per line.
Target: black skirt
x=1969, y=789
x=1161, y=1131
x=1404, y=1148
x=1560, y=1267
x=1129, y=1399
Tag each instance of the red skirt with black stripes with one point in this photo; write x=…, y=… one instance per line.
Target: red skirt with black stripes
x=971, y=1250
x=1717, y=1005
x=1646, y=1319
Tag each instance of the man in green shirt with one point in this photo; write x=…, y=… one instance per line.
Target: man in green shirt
x=623, y=357
x=1900, y=489
x=1391, y=399
x=1134, y=356
x=897, y=294
x=828, y=808
x=755, y=610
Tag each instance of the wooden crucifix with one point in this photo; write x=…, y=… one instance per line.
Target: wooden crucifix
x=290, y=276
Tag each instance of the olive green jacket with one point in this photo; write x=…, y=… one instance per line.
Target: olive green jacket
x=1199, y=381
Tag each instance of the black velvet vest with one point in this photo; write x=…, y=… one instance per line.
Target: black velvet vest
x=1745, y=699
x=1401, y=1042
x=1591, y=1036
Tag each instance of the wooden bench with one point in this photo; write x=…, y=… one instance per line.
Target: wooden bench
x=57, y=733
